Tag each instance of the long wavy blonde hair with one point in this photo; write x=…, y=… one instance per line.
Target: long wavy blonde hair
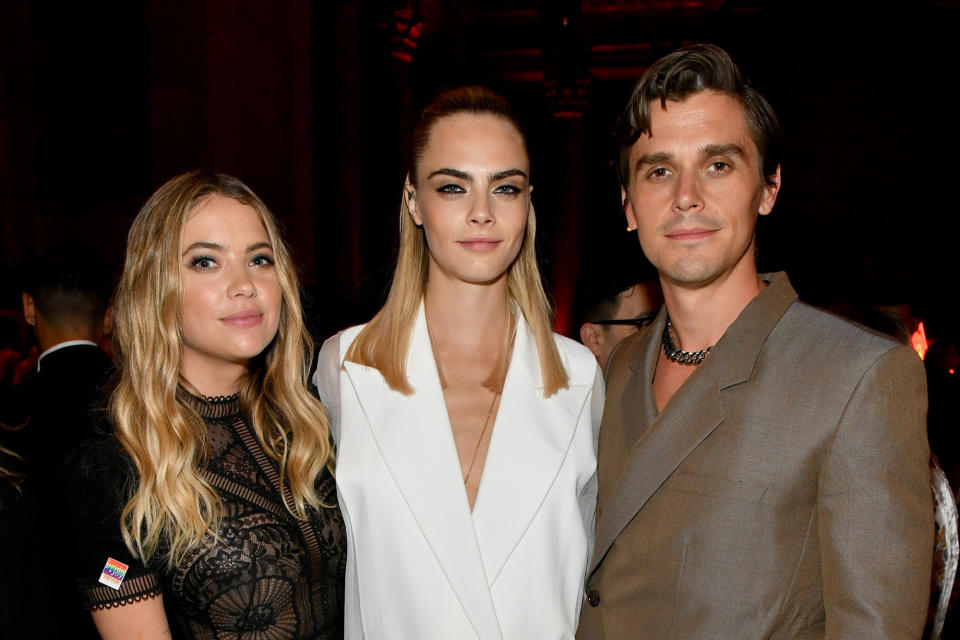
x=384, y=342
x=172, y=507
x=13, y=477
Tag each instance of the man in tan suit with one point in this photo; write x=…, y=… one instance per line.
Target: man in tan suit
x=762, y=464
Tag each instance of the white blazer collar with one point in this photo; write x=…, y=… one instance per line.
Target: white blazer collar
x=530, y=438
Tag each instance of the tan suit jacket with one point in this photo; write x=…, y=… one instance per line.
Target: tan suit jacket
x=783, y=492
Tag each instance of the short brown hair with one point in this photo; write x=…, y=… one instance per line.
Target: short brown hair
x=685, y=72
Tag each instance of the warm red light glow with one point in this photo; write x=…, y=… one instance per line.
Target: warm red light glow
x=919, y=340
x=950, y=371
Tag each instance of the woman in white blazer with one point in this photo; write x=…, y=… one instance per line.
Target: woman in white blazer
x=466, y=430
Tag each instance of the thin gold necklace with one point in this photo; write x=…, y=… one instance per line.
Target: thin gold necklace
x=486, y=423
x=496, y=392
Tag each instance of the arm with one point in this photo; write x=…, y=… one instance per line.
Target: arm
x=93, y=479
x=588, y=494
x=327, y=380
x=144, y=620
x=875, y=508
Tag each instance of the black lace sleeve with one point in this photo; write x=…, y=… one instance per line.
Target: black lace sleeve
x=96, y=481
x=262, y=573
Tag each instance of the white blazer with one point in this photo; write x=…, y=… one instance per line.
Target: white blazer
x=420, y=565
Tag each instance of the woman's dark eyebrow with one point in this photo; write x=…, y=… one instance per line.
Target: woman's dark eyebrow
x=500, y=175
x=463, y=175
x=456, y=173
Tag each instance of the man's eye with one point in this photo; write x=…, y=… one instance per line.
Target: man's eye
x=719, y=166
x=659, y=172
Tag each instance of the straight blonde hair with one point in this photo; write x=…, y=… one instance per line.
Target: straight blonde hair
x=172, y=507
x=384, y=342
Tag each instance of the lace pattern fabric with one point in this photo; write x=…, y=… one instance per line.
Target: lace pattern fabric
x=265, y=574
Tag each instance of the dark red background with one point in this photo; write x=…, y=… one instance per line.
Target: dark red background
x=310, y=103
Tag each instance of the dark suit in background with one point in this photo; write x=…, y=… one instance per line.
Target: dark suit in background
x=59, y=404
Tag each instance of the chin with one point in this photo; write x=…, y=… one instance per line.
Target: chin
x=690, y=274
x=249, y=351
x=487, y=280
x=475, y=274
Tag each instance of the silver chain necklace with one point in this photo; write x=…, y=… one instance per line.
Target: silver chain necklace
x=679, y=355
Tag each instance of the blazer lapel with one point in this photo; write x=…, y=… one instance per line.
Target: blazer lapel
x=414, y=437
x=637, y=407
x=684, y=423
x=530, y=439
x=692, y=414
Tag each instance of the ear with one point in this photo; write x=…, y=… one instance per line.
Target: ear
x=410, y=197
x=628, y=210
x=107, y=327
x=29, y=310
x=589, y=336
x=770, y=192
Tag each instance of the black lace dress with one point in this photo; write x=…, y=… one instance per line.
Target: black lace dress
x=267, y=577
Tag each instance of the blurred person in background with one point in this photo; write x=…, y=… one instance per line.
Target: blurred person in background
x=616, y=312
x=65, y=298
x=54, y=407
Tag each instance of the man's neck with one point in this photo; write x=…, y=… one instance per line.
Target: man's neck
x=700, y=316
x=49, y=334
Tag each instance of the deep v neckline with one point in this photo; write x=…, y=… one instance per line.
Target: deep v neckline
x=485, y=438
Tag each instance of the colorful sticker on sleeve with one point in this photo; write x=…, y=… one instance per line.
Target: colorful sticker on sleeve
x=113, y=573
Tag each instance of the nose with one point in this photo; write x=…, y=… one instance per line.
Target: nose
x=686, y=195
x=481, y=210
x=241, y=284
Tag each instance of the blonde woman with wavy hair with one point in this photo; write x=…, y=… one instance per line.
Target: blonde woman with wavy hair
x=221, y=516
x=466, y=430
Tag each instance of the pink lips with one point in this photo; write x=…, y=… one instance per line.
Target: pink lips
x=691, y=234
x=243, y=319
x=479, y=244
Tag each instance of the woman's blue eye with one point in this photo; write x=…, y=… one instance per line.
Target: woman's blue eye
x=507, y=189
x=203, y=262
x=451, y=188
x=261, y=260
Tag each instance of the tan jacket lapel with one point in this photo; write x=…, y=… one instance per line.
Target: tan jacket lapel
x=672, y=436
x=692, y=415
